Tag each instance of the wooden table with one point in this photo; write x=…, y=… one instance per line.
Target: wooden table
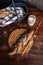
x=35, y=56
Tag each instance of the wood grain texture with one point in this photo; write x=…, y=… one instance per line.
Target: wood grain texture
x=35, y=56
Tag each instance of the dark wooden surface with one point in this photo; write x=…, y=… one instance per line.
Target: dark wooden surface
x=35, y=56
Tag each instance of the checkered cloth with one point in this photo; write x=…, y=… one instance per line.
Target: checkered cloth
x=11, y=17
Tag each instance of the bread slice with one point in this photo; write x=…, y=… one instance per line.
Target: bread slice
x=3, y=13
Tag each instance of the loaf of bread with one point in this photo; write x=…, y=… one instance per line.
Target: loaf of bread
x=15, y=35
